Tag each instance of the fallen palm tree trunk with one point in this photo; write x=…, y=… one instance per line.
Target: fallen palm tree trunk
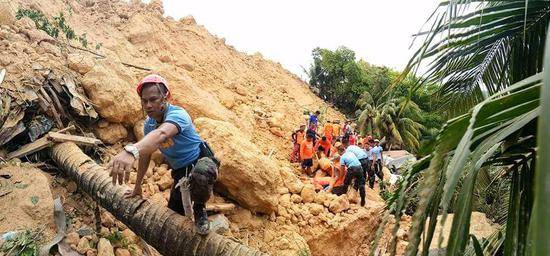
x=167, y=231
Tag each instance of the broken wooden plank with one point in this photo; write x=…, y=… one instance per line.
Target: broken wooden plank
x=56, y=101
x=220, y=207
x=30, y=148
x=68, y=129
x=51, y=109
x=2, y=75
x=79, y=140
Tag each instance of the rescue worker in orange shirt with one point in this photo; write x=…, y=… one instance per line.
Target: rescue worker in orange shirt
x=306, y=154
x=325, y=144
x=297, y=137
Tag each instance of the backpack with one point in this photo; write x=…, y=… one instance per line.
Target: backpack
x=206, y=151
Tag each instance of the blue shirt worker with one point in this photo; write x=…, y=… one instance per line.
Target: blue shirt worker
x=314, y=121
x=377, y=160
x=169, y=128
x=354, y=172
x=362, y=155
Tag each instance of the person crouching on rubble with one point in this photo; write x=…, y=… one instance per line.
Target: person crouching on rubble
x=170, y=129
x=354, y=172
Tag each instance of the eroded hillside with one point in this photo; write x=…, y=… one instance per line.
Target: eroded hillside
x=244, y=105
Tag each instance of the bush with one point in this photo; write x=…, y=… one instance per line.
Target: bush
x=59, y=24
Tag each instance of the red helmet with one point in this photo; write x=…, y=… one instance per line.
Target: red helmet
x=153, y=78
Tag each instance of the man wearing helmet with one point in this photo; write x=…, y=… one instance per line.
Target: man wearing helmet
x=170, y=129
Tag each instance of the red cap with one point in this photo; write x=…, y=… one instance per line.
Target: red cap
x=153, y=78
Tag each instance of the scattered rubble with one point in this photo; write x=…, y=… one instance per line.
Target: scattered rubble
x=245, y=107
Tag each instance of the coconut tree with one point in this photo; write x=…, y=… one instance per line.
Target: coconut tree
x=488, y=56
x=167, y=231
x=384, y=120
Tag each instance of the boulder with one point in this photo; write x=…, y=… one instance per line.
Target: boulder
x=188, y=20
x=165, y=182
x=104, y=248
x=107, y=219
x=7, y=13
x=290, y=181
x=219, y=223
x=72, y=238
x=37, y=36
x=83, y=245
x=122, y=252
x=111, y=133
x=71, y=186
x=142, y=29
x=130, y=236
x=296, y=198
x=284, y=200
x=316, y=209
x=338, y=205
x=320, y=197
x=246, y=174
x=343, y=232
x=112, y=92
x=80, y=62
x=480, y=227
x=26, y=200
x=308, y=193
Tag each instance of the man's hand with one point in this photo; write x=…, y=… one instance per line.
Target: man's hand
x=121, y=166
x=132, y=193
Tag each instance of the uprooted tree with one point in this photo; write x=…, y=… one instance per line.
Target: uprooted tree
x=166, y=230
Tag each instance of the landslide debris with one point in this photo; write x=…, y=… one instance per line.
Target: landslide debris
x=244, y=105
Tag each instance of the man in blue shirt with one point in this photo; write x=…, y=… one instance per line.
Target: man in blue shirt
x=369, y=170
x=362, y=155
x=314, y=121
x=170, y=129
x=377, y=160
x=354, y=172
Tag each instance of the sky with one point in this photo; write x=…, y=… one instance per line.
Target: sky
x=286, y=31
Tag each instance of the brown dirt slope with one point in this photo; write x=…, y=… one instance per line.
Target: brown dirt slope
x=262, y=100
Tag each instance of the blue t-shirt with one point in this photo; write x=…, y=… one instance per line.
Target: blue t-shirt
x=376, y=152
x=369, y=153
x=182, y=149
x=349, y=160
x=357, y=151
x=313, y=119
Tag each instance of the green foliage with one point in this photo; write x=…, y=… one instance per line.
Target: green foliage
x=40, y=21
x=34, y=199
x=490, y=56
x=303, y=252
x=364, y=90
x=59, y=24
x=24, y=243
x=117, y=239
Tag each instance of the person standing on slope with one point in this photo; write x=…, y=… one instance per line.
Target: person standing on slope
x=170, y=129
x=313, y=121
x=306, y=154
x=328, y=130
x=377, y=160
x=297, y=137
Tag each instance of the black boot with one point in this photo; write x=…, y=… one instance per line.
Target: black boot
x=201, y=219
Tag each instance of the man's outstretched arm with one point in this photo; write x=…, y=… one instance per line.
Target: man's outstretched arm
x=121, y=164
